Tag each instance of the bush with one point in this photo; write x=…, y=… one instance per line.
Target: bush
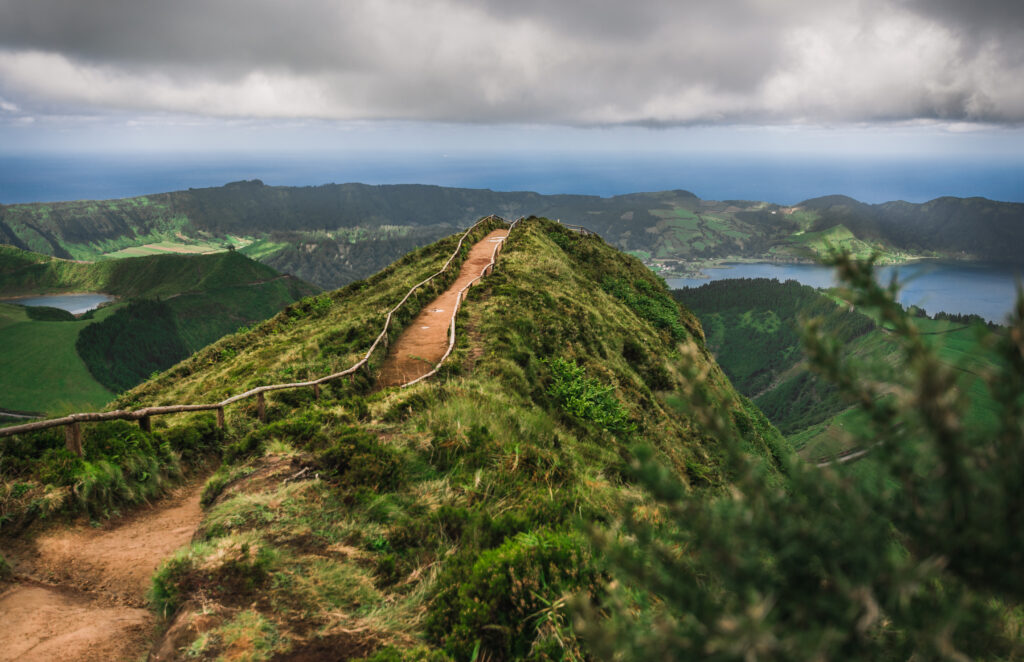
x=358, y=459
x=585, y=399
x=904, y=556
x=505, y=603
x=194, y=441
x=59, y=466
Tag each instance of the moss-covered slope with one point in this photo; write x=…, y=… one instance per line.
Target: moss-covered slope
x=444, y=519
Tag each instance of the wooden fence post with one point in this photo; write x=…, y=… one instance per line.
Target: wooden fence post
x=316, y=391
x=261, y=407
x=220, y=417
x=73, y=438
x=145, y=425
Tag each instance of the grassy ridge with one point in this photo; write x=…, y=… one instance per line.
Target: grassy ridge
x=445, y=515
x=153, y=276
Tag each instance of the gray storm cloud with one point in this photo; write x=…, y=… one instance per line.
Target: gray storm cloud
x=490, y=61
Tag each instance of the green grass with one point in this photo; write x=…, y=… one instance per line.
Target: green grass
x=426, y=497
x=261, y=248
x=443, y=517
x=39, y=368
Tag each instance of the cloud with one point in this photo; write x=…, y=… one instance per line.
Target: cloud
x=584, y=62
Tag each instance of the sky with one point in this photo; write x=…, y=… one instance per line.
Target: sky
x=931, y=79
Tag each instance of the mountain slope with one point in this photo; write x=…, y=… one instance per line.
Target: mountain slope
x=754, y=327
x=963, y=227
x=444, y=515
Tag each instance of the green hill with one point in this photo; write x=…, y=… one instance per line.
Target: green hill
x=172, y=305
x=332, y=234
x=754, y=328
x=569, y=353
x=40, y=371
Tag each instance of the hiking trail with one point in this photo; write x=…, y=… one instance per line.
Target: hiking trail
x=80, y=592
x=425, y=341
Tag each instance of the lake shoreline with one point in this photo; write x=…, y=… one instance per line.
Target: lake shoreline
x=697, y=267
x=986, y=289
x=76, y=303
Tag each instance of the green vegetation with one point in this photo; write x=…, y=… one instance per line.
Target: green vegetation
x=334, y=234
x=125, y=348
x=40, y=370
x=906, y=562
x=580, y=481
x=754, y=328
x=122, y=466
x=442, y=518
x=155, y=276
x=63, y=364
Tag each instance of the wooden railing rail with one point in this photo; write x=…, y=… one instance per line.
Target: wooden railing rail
x=458, y=302
x=72, y=421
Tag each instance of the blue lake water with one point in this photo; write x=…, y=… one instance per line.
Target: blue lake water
x=76, y=304
x=988, y=290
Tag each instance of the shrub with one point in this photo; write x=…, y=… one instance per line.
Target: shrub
x=195, y=440
x=505, y=603
x=59, y=466
x=585, y=399
x=904, y=556
x=357, y=458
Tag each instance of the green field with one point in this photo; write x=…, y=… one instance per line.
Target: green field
x=39, y=368
x=190, y=301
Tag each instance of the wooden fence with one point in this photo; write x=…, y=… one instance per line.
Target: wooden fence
x=72, y=422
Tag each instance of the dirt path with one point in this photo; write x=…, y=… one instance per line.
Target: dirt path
x=80, y=593
x=425, y=341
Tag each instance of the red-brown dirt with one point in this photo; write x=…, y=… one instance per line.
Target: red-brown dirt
x=80, y=591
x=425, y=341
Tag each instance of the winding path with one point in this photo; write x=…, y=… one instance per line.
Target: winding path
x=426, y=340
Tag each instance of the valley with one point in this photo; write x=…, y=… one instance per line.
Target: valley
x=166, y=307
x=755, y=329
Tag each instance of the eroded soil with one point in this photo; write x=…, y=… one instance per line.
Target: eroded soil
x=80, y=592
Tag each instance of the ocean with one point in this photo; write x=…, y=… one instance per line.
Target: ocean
x=783, y=179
